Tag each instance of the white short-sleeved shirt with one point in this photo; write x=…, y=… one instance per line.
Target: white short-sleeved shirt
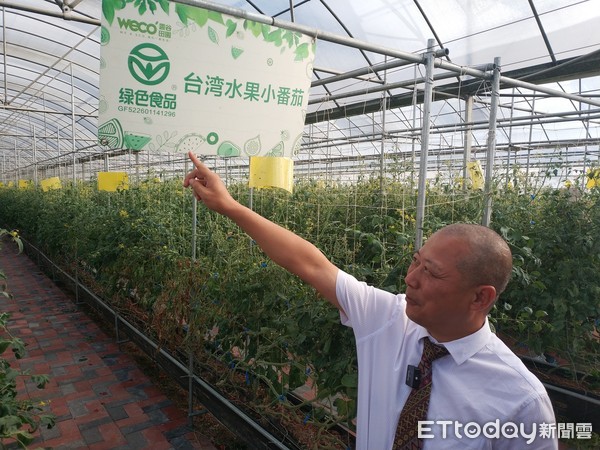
x=482, y=384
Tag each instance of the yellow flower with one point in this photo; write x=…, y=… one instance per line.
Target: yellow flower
x=123, y=213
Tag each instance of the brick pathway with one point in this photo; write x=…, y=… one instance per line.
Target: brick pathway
x=99, y=396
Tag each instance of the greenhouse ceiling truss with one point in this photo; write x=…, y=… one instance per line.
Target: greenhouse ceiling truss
x=46, y=133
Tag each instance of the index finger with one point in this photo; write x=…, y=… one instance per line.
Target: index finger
x=195, y=160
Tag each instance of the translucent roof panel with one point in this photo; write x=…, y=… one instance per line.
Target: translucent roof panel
x=50, y=61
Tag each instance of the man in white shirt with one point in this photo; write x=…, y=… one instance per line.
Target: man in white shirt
x=483, y=397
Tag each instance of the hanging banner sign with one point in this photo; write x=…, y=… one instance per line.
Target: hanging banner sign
x=177, y=78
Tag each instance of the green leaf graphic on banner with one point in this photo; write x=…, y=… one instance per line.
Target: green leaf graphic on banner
x=212, y=35
x=198, y=15
x=109, y=7
x=181, y=13
x=288, y=36
x=236, y=52
x=104, y=36
x=301, y=52
x=277, y=150
x=228, y=148
x=252, y=146
x=110, y=134
x=275, y=37
x=135, y=141
x=164, y=4
x=254, y=27
x=231, y=26
x=190, y=143
x=265, y=30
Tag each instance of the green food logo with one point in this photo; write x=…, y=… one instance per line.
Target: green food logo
x=148, y=64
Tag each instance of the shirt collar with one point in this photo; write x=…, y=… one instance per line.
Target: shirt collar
x=462, y=349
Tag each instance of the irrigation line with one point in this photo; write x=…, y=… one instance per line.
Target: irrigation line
x=570, y=393
x=245, y=427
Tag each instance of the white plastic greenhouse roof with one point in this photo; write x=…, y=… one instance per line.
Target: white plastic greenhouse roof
x=51, y=51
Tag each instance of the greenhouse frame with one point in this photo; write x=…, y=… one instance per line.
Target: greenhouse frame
x=417, y=114
x=366, y=100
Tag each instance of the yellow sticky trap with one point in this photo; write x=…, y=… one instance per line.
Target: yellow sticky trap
x=271, y=171
x=24, y=184
x=593, y=178
x=50, y=183
x=475, y=174
x=113, y=181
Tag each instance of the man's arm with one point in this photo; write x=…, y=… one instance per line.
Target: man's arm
x=285, y=248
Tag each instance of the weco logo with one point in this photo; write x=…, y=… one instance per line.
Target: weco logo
x=148, y=64
x=137, y=27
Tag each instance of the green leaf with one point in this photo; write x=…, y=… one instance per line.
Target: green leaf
x=212, y=35
x=254, y=27
x=4, y=344
x=181, y=11
x=40, y=380
x=164, y=4
x=231, y=27
x=216, y=16
x=265, y=30
x=350, y=380
x=198, y=15
x=108, y=11
x=275, y=37
x=301, y=52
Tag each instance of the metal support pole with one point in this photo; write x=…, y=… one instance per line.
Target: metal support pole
x=382, y=159
x=512, y=114
x=427, y=99
x=18, y=165
x=73, y=123
x=529, y=146
x=4, y=58
x=35, y=166
x=137, y=167
x=414, y=125
x=191, y=412
x=491, y=144
x=468, y=139
x=58, y=151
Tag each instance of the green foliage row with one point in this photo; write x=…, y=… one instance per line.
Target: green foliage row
x=19, y=418
x=230, y=302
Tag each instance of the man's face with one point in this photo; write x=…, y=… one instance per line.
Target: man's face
x=437, y=295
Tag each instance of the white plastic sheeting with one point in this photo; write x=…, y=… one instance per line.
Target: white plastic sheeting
x=50, y=63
